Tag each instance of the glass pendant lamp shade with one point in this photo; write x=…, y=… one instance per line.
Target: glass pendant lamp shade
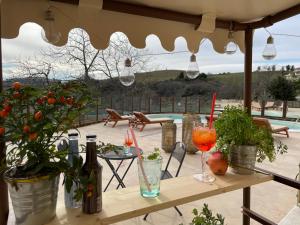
x=231, y=46
x=269, y=50
x=193, y=68
x=50, y=34
x=127, y=76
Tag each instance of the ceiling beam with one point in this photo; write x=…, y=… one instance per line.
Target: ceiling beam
x=73, y=2
x=164, y=14
x=270, y=20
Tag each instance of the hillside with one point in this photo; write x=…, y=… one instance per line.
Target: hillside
x=173, y=83
x=163, y=75
x=159, y=75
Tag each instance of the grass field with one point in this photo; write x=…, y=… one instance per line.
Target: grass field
x=163, y=75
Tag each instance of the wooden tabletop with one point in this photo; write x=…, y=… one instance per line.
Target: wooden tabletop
x=123, y=204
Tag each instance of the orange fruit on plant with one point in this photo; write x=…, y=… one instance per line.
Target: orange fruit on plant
x=39, y=101
x=38, y=115
x=70, y=101
x=3, y=113
x=90, y=187
x=7, y=108
x=51, y=101
x=33, y=136
x=44, y=98
x=2, y=131
x=62, y=99
x=50, y=94
x=26, y=129
x=16, y=94
x=16, y=85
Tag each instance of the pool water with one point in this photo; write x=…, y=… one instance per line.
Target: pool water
x=293, y=126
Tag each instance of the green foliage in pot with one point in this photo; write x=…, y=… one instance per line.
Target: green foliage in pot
x=236, y=127
x=206, y=217
x=32, y=121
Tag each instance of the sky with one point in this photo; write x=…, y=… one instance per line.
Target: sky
x=29, y=43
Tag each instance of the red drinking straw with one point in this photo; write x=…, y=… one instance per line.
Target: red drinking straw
x=212, y=109
x=140, y=158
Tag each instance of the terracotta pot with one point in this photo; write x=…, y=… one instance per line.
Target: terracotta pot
x=217, y=163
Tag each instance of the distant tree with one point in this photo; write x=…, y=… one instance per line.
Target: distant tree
x=288, y=67
x=282, y=89
x=292, y=68
x=181, y=76
x=282, y=70
x=202, y=76
x=39, y=70
x=260, y=90
x=259, y=68
x=297, y=85
x=87, y=63
x=269, y=68
x=168, y=88
x=273, y=67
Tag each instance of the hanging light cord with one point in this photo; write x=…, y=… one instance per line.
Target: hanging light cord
x=97, y=36
x=281, y=34
x=165, y=53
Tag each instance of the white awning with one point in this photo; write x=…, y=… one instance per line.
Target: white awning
x=100, y=24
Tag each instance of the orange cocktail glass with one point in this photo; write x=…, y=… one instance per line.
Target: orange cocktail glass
x=204, y=139
x=128, y=141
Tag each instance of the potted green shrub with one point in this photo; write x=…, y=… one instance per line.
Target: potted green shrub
x=206, y=217
x=32, y=121
x=243, y=141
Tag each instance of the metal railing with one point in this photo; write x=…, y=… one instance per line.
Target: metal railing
x=156, y=104
x=250, y=214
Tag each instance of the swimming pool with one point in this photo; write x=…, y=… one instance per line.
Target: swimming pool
x=293, y=126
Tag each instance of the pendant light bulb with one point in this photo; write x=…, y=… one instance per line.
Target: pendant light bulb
x=193, y=68
x=269, y=50
x=50, y=34
x=127, y=76
x=231, y=46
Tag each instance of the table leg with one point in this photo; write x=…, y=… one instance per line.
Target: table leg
x=246, y=204
x=113, y=174
x=126, y=172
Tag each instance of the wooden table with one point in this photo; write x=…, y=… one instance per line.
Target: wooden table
x=123, y=204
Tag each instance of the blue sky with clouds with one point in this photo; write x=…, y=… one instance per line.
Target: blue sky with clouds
x=29, y=43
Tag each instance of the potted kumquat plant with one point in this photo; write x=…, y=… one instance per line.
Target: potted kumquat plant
x=32, y=121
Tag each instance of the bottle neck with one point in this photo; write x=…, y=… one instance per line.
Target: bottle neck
x=91, y=154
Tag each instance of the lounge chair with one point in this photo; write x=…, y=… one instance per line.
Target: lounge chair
x=256, y=106
x=262, y=122
x=270, y=105
x=215, y=117
x=278, y=106
x=141, y=119
x=114, y=116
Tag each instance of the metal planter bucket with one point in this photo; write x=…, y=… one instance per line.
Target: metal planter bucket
x=242, y=159
x=33, y=199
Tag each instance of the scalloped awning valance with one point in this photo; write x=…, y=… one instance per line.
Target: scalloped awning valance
x=100, y=21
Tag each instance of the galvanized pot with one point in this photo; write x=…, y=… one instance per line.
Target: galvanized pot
x=242, y=159
x=33, y=199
